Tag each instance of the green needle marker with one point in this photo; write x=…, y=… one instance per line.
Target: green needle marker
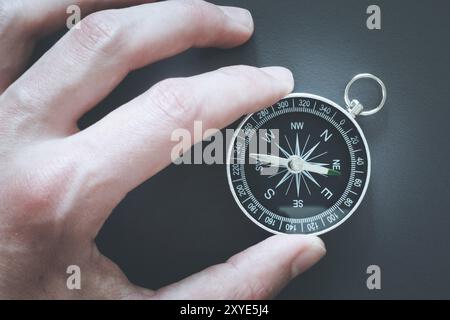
x=332, y=172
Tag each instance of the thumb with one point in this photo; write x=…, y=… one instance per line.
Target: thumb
x=259, y=272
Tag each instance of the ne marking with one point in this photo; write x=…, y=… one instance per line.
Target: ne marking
x=237, y=180
x=261, y=216
x=340, y=209
x=353, y=192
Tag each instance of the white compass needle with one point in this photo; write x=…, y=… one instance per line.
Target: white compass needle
x=317, y=168
x=270, y=159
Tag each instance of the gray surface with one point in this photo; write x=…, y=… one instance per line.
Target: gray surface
x=185, y=218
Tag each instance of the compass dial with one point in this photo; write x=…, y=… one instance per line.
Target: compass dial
x=299, y=166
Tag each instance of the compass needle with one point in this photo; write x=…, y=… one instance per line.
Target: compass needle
x=269, y=159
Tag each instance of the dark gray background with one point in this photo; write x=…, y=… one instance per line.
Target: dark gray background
x=185, y=219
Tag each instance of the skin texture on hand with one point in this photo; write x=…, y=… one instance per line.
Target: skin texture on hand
x=59, y=184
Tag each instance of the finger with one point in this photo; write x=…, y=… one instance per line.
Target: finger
x=23, y=22
x=259, y=272
x=134, y=142
x=88, y=63
x=50, y=15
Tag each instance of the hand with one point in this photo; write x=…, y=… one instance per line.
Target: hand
x=59, y=184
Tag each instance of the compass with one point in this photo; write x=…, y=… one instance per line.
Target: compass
x=302, y=165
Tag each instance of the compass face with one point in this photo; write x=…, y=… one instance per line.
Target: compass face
x=299, y=166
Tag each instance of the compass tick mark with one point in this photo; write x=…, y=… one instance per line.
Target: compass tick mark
x=246, y=200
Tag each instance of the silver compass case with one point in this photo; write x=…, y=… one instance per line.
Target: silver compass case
x=313, y=172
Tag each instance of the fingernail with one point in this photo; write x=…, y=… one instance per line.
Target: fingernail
x=313, y=251
x=241, y=16
x=281, y=74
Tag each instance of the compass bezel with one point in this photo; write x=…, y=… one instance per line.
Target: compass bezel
x=364, y=189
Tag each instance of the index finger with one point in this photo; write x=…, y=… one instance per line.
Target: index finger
x=134, y=142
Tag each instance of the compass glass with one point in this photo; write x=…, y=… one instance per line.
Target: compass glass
x=299, y=166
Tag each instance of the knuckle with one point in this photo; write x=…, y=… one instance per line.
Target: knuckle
x=191, y=6
x=249, y=74
x=36, y=192
x=195, y=10
x=32, y=206
x=175, y=100
x=99, y=32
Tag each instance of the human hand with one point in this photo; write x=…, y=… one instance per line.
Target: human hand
x=59, y=184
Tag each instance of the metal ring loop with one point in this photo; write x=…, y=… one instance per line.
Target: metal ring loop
x=367, y=76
